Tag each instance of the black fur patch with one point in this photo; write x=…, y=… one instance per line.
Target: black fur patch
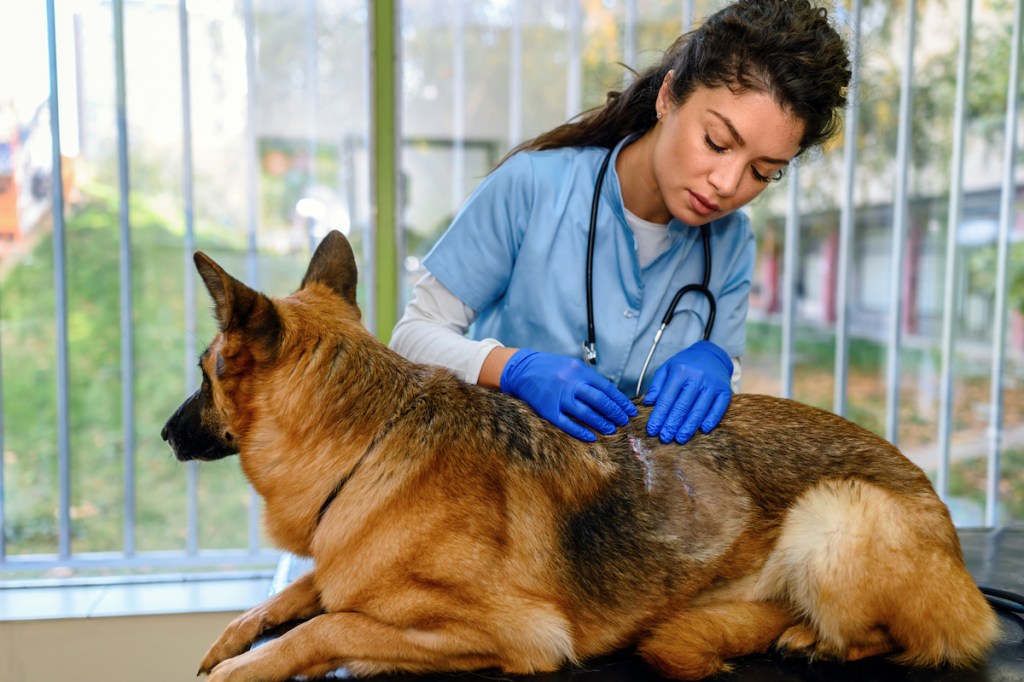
x=613, y=549
x=512, y=430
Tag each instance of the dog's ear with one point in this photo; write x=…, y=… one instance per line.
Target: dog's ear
x=334, y=265
x=236, y=306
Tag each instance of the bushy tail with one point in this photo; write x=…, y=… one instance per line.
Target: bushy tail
x=873, y=571
x=948, y=620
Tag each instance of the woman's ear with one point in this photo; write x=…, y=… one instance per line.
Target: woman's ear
x=664, y=102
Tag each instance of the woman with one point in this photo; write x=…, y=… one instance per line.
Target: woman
x=689, y=142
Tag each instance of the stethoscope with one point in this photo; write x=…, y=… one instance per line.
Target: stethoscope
x=589, y=346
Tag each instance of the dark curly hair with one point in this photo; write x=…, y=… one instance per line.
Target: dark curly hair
x=787, y=49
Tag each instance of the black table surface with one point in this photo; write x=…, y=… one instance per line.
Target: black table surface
x=994, y=557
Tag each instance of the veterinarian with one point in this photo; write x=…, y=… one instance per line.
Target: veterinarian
x=607, y=257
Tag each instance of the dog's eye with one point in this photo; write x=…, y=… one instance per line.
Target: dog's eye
x=220, y=364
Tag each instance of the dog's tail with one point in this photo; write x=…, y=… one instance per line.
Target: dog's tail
x=872, y=571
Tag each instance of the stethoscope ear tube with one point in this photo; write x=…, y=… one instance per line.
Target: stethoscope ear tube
x=590, y=345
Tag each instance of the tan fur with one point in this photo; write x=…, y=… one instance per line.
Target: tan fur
x=852, y=561
x=468, y=533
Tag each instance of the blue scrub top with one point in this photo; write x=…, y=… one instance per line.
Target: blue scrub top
x=516, y=254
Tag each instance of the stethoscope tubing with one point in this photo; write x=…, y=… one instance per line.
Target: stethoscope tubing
x=590, y=345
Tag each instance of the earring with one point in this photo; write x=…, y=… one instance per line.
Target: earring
x=659, y=115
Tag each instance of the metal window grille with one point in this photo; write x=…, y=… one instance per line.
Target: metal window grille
x=516, y=24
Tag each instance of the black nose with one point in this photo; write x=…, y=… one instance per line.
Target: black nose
x=165, y=433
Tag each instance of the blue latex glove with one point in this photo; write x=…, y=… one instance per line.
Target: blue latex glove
x=691, y=389
x=562, y=389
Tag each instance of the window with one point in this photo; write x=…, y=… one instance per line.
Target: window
x=246, y=133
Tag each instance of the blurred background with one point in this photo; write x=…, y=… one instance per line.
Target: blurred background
x=890, y=266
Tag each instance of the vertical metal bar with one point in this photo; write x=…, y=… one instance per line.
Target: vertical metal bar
x=791, y=263
x=689, y=14
x=369, y=247
x=252, y=207
x=574, y=63
x=515, y=78
x=847, y=218
x=187, y=185
x=899, y=229
x=3, y=504
x=458, y=105
x=251, y=168
x=60, y=299
x=313, y=89
x=384, y=161
x=125, y=266
x=629, y=38
x=949, y=306
x=1007, y=218
x=81, y=105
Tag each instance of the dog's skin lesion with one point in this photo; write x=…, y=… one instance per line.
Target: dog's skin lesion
x=454, y=529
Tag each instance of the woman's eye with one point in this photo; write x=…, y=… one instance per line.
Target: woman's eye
x=774, y=177
x=760, y=177
x=712, y=146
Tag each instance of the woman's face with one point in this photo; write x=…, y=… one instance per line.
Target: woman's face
x=718, y=150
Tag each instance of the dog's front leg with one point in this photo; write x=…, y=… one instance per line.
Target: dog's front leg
x=363, y=646
x=299, y=600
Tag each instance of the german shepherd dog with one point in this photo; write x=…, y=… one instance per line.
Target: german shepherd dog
x=452, y=528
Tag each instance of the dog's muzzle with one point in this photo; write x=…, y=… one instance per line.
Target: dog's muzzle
x=194, y=434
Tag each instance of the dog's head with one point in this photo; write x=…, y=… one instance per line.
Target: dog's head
x=252, y=335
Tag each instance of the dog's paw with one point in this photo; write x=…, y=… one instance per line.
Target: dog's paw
x=218, y=653
x=235, y=639
x=255, y=664
x=802, y=641
x=206, y=666
x=226, y=671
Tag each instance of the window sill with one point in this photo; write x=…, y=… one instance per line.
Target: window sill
x=154, y=596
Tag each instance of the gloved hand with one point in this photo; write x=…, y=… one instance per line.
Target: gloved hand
x=562, y=389
x=691, y=389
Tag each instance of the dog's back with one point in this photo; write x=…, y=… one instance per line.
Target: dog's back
x=787, y=505
x=781, y=504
